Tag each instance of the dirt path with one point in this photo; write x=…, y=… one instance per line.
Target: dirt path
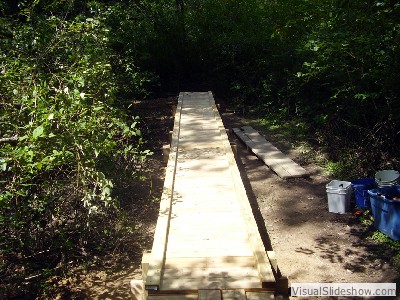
x=311, y=244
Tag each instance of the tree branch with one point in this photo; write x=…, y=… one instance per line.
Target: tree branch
x=9, y=139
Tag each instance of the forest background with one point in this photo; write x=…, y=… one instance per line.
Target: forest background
x=70, y=70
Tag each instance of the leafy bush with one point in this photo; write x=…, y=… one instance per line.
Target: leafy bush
x=63, y=131
x=349, y=63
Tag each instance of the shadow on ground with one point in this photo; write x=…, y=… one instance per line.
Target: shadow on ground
x=312, y=245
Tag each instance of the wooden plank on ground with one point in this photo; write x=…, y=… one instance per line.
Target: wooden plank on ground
x=209, y=295
x=210, y=252
x=260, y=296
x=173, y=297
x=244, y=138
x=157, y=257
x=182, y=283
x=208, y=262
x=212, y=272
x=233, y=295
x=269, y=154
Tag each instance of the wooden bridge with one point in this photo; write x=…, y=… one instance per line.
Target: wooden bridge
x=206, y=244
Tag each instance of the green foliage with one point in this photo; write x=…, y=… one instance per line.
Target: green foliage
x=388, y=245
x=337, y=169
x=332, y=66
x=327, y=70
x=64, y=128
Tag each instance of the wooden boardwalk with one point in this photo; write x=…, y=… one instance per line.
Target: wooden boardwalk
x=269, y=154
x=206, y=244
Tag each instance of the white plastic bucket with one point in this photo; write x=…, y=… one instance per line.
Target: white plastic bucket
x=339, y=194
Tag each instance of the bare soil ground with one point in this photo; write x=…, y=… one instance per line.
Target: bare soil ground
x=311, y=244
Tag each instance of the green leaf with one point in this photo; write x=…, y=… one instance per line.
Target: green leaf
x=3, y=164
x=361, y=96
x=38, y=132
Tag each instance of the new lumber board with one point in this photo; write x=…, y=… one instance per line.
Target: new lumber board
x=234, y=295
x=213, y=272
x=263, y=265
x=173, y=297
x=217, y=250
x=260, y=296
x=172, y=284
x=280, y=163
x=209, y=295
x=207, y=262
x=157, y=257
x=206, y=237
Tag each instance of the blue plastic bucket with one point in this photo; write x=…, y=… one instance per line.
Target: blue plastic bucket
x=361, y=187
x=385, y=206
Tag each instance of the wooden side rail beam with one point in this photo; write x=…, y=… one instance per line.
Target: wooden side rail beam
x=157, y=257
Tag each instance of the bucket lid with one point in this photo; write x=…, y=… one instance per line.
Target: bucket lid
x=387, y=176
x=386, y=184
x=338, y=184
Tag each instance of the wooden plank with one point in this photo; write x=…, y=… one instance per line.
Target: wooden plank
x=264, y=268
x=233, y=295
x=207, y=262
x=175, y=284
x=200, y=145
x=227, y=272
x=277, y=165
x=210, y=252
x=183, y=204
x=179, y=234
x=157, y=257
x=186, y=228
x=216, y=234
x=194, y=227
x=260, y=295
x=145, y=264
x=244, y=138
x=253, y=134
x=210, y=217
x=276, y=157
x=173, y=297
x=269, y=154
x=180, y=243
x=204, y=182
x=209, y=295
x=195, y=137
